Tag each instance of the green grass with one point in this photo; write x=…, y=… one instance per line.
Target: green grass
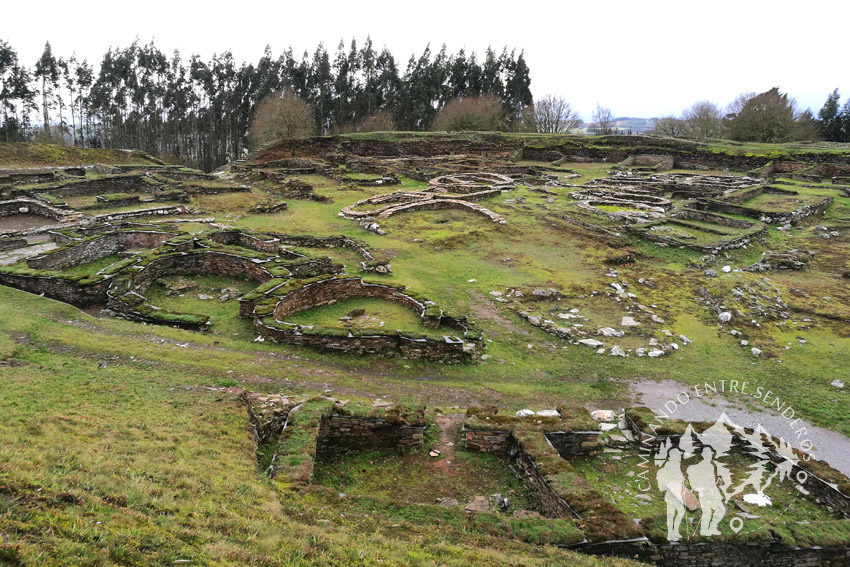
x=169, y=470
x=381, y=315
x=416, y=478
x=223, y=315
x=35, y=155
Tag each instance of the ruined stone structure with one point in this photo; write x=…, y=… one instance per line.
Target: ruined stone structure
x=347, y=434
x=271, y=308
x=444, y=192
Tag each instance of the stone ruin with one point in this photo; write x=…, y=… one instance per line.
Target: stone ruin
x=540, y=448
x=445, y=192
x=287, y=281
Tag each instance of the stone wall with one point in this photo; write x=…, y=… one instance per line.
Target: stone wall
x=574, y=443
x=325, y=242
x=708, y=554
x=330, y=291
x=92, y=187
x=98, y=247
x=154, y=211
x=7, y=244
x=648, y=162
x=198, y=262
x=494, y=442
x=434, y=349
x=66, y=290
x=712, y=218
x=443, y=204
x=235, y=238
x=549, y=504
x=342, y=434
x=568, y=444
x=33, y=207
x=730, y=244
x=769, y=217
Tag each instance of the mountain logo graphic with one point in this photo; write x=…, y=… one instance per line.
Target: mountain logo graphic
x=693, y=473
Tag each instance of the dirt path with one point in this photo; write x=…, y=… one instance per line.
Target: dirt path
x=447, y=462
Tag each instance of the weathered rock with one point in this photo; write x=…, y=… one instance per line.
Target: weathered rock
x=546, y=293
x=603, y=415
x=478, y=504
x=549, y=413
x=628, y=321
x=610, y=332
x=593, y=343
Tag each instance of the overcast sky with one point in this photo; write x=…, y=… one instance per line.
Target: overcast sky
x=639, y=58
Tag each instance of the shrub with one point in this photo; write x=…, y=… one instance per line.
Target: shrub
x=280, y=117
x=471, y=113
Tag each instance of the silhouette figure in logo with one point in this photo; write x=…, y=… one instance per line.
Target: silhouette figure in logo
x=702, y=477
x=671, y=482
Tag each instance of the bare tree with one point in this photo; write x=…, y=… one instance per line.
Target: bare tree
x=604, y=123
x=703, y=120
x=553, y=115
x=281, y=116
x=738, y=104
x=670, y=126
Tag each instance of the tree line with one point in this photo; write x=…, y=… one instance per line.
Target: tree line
x=198, y=111
x=771, y=116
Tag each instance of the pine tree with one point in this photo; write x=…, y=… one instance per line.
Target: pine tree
x=47, y=70
x=830, y=119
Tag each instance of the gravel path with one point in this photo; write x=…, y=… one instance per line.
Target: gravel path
x=829, y=446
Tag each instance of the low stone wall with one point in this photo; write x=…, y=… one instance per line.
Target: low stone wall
x=7, y=244
x=499, y=442
x=23, y=177
x=155, y=211
x=92, y=187
x=648, y=162
x=434, y=349
x=549, y=504
x=731, y=244
x=768, y=217
x=330, y=291
x=707, y=554
x=342, y=434
x=325, y=242
x=493, y=442
x=196, y=189
x=691, y=214
x=98, y=247
x=443, y=204
x=33, y=207
x=574, y=443
x=236, y=238
x=197, y=262
x=66, y=290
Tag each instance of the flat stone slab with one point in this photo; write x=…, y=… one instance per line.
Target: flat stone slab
x=684, y=496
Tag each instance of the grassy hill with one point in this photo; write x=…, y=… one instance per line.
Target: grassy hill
x=126, y=444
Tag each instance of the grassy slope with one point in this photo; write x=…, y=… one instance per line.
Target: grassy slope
x=34, y=155
x=138, y=464
x=166, y=466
